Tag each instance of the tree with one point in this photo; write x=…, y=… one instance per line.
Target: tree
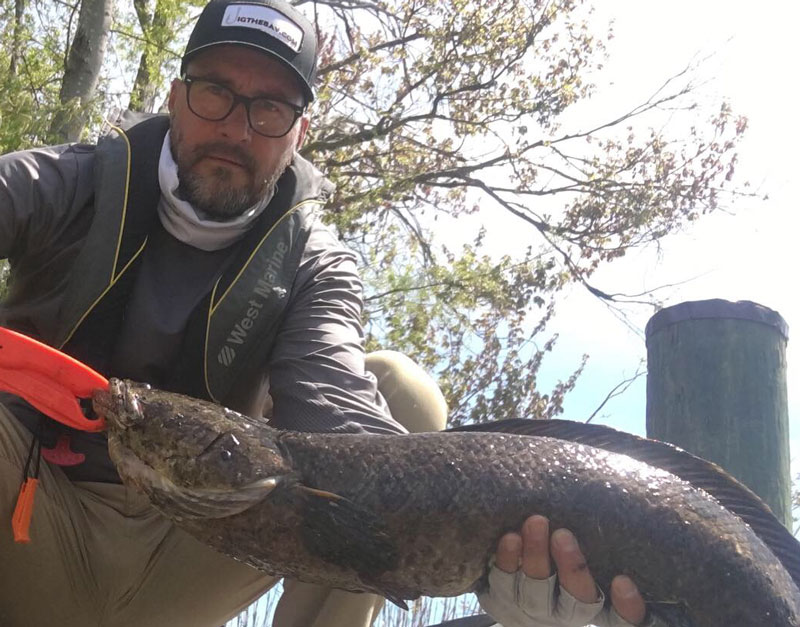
x=430, y=111
x=31, y=66
x=158, y=28
x=3, y=277
x=432, y=114
x=82, y=70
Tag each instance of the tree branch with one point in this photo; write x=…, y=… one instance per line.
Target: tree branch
x=617, y=390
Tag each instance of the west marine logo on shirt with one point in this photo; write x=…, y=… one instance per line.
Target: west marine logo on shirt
x=265, y=288
x=226, y=355
x=267, y=20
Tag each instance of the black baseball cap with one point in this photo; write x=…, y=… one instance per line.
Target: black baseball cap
x=271, y=26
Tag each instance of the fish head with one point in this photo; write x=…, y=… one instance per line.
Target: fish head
x=192, y=458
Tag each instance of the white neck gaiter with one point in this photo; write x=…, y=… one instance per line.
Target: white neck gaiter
x=185, y=223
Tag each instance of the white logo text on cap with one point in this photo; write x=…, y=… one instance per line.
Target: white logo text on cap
x=265, y=19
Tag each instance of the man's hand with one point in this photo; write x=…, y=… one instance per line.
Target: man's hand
x=522, y=587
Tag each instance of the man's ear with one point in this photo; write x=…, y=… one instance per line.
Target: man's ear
x=173, y=94
x=304, y=121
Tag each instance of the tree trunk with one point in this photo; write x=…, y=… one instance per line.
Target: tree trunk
x=716, y=386
x=84, y=62
x=155, y=28
x=142, y=94
x=16, y=46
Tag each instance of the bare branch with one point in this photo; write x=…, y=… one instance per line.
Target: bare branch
x=338, y=65
x=619, y=389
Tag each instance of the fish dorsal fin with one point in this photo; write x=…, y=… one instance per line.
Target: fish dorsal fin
x=730, y=492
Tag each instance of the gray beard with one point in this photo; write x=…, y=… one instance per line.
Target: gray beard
x=214, y=197
x=214, y=200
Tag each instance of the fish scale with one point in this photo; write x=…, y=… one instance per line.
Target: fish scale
x=421, y=514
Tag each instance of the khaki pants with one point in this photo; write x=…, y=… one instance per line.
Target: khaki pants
x=100, y=556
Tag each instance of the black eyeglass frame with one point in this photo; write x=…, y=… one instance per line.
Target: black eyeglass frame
x=245, y=100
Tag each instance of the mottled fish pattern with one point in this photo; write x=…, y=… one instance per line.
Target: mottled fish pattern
x=421, y=514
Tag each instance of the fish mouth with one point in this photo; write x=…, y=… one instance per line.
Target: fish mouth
x=119, y=405
x=182, y=502
x=103, y=405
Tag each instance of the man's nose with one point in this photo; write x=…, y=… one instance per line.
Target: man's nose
x=236, y=126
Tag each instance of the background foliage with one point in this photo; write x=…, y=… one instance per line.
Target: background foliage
x=446, y=126
x=441, y=122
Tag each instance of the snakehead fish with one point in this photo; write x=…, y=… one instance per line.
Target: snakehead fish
x=421, y=514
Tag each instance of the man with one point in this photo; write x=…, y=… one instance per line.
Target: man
x=188, y=252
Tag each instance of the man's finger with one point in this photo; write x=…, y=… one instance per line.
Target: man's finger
x=509, y=553
x=573, y=572
x=627, y=601
x=536, y=547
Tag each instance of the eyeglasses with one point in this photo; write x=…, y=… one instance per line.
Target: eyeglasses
x=211, y=101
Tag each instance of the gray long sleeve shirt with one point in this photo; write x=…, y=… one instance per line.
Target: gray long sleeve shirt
x=315, y=370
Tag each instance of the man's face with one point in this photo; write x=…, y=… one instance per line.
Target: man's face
x=225, y=167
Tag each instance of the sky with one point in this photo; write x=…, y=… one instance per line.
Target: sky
x=744, y=255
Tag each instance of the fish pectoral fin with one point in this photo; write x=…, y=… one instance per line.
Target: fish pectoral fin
x=320, y=493
x=349, y=535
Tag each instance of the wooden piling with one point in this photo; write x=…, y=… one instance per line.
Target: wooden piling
x=716, y=386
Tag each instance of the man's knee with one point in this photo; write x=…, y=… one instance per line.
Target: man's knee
x=310, y=605
x=414, y=398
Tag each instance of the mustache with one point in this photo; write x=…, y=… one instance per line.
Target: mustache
x=222, y=149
